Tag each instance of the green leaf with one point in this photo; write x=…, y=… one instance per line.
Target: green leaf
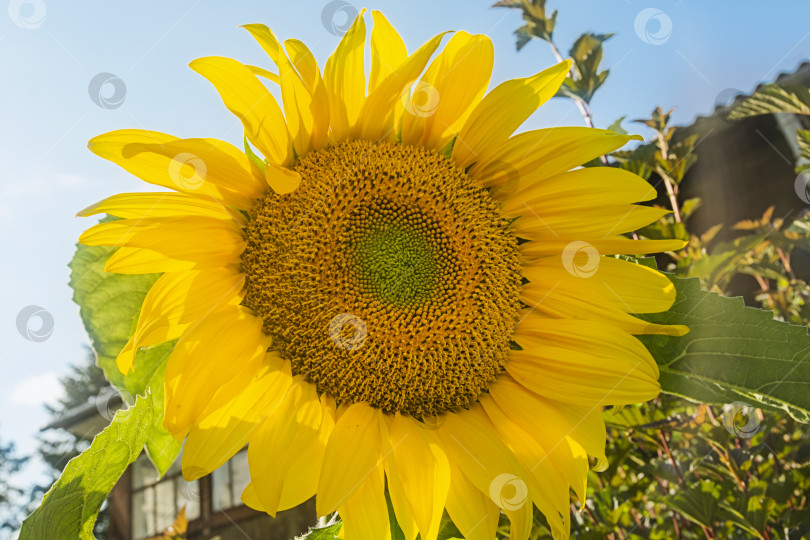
x=539, y=24
x=731, y=353
x=803, y=136
x=70, y=507
x=109, y=305
x=772, y=98
x=587, y=55
x=616, y=126
x=328, y=532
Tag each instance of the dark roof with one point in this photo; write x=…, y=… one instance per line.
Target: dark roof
x=730, y=98
x=88, y=419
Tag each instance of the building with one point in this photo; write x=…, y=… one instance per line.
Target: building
x=142, y=505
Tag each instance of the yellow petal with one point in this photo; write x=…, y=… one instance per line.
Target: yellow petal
x=421, y=471
x=283, y=436
x=561, y=449
x=572, y=191
x=205, y=168
x=533, y=156
x=282, y=180
x=166, y=204
x=472, y=442
x=611, y=245
x=503, y=110
x=585, y=378
x=584, y=424
x=191, y=238
x=247, y=98
x=345, y=79
x=396, y=493
x=377, y=108
x=305, y=469
x=473, y=512
x=224, y=429
x=388, y=51
x=310, y=73
x=365, y=512
x=294, y=93
x=261, y=72
x=541, y=456
x=635, y=288
x=564, y=299
x=352, y=454
x=178, y=300
x=231, y=337
x=459, y=77
x=542, y=221
x=126, y=260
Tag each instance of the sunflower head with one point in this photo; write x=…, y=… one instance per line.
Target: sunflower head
x=400, y=295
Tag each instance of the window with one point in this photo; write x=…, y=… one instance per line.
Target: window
x=229, y=481
x=155, y=503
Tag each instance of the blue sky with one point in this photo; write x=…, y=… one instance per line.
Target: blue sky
x=47, y=114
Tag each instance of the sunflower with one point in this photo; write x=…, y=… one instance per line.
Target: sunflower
x=401, y=300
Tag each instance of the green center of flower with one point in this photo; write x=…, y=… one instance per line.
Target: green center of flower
x=387, y=277
x=399, y=257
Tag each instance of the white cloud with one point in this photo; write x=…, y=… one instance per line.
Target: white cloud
x=37, y=390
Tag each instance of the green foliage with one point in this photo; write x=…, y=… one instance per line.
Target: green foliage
x=803, y=137
x=109, y=305
x=69, y=509
x=10, y=495
x=325, y=532
x=538, y=25
x=772, y=98
x=586, y=79
x=732, y=353
x=775, y=99
x=83, y=383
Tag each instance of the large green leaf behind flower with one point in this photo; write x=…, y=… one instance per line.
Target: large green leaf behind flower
x=732, y=353
x=70, y=507
x=109, y=305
